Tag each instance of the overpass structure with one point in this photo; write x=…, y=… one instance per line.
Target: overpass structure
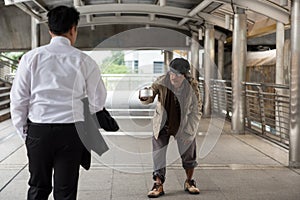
x=224, y=29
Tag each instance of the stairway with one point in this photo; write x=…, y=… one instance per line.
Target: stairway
x=4, y=101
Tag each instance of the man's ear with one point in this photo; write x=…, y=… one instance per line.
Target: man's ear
x=51, y=34
x=73, y=30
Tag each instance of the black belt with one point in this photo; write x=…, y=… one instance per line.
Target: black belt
x=51, y=124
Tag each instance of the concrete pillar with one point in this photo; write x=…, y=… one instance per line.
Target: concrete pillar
x=239, y=52
x=168, y=56
x=162, y=2
x=195, y=56
x=76, y=3
x=294, y=153
x=281, y=120
x=220, y=59
x=209, y=57
x=35, y=33
x=279, y=52
x=287, y=61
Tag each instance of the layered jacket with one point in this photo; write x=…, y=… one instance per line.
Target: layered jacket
x=190, y=105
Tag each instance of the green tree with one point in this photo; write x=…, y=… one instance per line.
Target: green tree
x=12, y=58
x=114, y=64
x=115, y=69
x=118, y=57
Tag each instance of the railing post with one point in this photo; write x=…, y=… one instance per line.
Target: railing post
x=247, y=108
x=215, y=101
x=228, y=100
x=219, y=96
x=278, y=117
x=262, y=109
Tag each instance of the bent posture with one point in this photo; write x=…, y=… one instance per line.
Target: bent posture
x=177, y=114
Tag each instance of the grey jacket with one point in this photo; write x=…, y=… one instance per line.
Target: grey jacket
x=190, y=103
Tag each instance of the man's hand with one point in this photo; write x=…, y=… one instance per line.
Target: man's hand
x=143, y=98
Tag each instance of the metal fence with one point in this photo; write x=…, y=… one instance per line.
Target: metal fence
x=267, y=110
x=123, y=91
x=128, y=81
x=7, y=67
x=266, y=107
x=220, y=96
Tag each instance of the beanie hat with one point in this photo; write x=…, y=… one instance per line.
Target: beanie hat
x=179, y=66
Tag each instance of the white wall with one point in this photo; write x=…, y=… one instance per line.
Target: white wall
x=145, y=58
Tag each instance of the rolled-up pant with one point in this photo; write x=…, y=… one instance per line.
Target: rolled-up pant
x=53, y=149
x=187, y=153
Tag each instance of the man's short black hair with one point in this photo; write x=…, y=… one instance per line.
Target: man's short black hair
x=180, y=65
x=62, y=18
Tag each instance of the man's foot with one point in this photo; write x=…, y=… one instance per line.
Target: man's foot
x=156, y=191
x=190, y=186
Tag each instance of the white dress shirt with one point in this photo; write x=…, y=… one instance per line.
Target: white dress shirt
x=51, y=81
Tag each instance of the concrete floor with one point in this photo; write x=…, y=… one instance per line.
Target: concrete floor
x=231, y=167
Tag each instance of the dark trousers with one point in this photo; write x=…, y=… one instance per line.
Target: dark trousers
x=159, y=146
x=53, y=150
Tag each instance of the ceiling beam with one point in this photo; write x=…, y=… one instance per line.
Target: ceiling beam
x=265, y=8
x=41, y=5
x=20, y=4
x=196, y=10
x=154, y=10
x=132, y=20
x=135, y=8
x=29, y=12
x=215, y=20
x=267, y=30
x=100, y=21
x=12, y=2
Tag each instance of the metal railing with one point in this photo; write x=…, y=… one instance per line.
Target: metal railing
x=267, y=110
x=266, y=107
x=128, y=81
x=220, y=96
x=122, y=101
x=7, y=67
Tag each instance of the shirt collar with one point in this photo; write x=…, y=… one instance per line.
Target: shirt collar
x=61, y=40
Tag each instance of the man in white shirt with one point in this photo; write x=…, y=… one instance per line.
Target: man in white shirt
x=46, y=103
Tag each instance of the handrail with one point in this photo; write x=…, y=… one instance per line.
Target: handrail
x=12, y=60
x=267, y=85
x=266, y=107
x=7, y=66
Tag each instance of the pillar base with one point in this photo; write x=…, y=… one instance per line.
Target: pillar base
x=238, y=132
x=294, y=164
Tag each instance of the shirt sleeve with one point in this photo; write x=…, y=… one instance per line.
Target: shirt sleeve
x=96, y=90
x=20, y=97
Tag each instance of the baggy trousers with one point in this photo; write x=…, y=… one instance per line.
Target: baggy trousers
x=187, y=153
x=53, y=150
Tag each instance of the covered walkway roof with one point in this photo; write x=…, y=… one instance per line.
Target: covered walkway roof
x=101, y=19
x=157, y=23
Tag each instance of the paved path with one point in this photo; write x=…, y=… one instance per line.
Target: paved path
x=239, y=167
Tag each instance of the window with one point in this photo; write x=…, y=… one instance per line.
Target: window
x=136, y=67
x=158, y=67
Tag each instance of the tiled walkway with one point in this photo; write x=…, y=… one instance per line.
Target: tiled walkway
x=238, y=167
